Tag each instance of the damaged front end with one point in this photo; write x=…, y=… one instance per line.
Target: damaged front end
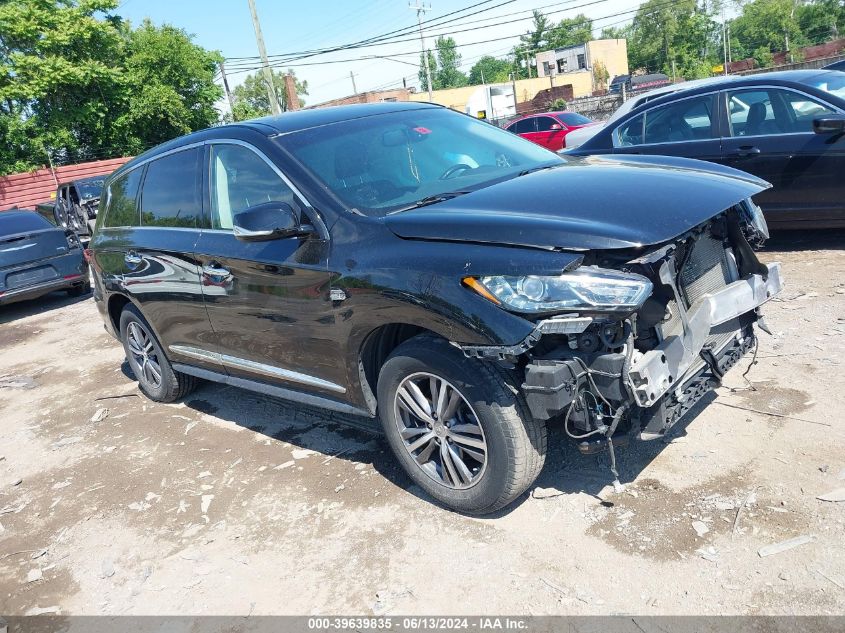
x=604, y=372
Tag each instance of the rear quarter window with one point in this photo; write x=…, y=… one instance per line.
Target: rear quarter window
x=122, y=203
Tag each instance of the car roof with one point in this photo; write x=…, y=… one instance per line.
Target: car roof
x=284, y=124
x=12, y=213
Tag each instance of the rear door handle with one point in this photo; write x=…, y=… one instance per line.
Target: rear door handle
x=133, y=259
x=747, y=150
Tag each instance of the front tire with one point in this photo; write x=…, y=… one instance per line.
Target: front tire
x=458, y=426
x=156, y=377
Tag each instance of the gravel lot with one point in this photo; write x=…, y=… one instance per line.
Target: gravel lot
x=234, y=503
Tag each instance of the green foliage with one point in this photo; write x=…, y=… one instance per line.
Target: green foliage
x=570, y=32
x=557, y=105
x=251, y=97
x=445, y=69
x=766, y=24
x=81, y=86
x=489, y=70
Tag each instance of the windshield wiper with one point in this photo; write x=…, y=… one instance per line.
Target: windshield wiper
x=525, y=172
x=424, y=202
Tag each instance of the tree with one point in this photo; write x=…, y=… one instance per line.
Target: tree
x=80, y=83
x=570, y=32
x=679, y=38
x=600, y=75
x=251, y=98
x=444, y=68
x=489, y=70
x=822, y=20
x=530, y=44
x=766, y=25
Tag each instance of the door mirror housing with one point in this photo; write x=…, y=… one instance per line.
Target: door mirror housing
x=268, y=221
x=556, y=126
x=829, y=124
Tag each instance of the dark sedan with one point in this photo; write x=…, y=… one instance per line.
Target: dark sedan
x=787, y=128
x=37, y=257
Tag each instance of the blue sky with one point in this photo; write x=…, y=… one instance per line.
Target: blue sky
x=297, y=26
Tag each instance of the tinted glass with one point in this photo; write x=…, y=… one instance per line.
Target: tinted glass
x=772, y=111
x=241, y=179
x=386, y=162
x=12, y=222
x=629, y=133
x=545, y=123
x=830, y=82
x=573, y=118
x=172, y=191
x=123, y=196
x=91, y=188
x=686, y=120
x=524, y=126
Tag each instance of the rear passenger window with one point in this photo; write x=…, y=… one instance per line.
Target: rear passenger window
x=172, y=192
x=240, y=179
x=123, y=196
x=524, y=126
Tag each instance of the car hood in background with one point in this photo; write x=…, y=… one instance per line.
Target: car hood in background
x=588, y=203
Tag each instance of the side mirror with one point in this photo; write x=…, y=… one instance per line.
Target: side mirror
x=268, y=221
x=556, y=126
x=829, y=124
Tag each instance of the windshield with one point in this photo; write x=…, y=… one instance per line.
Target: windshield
x=832, y=82
x=382, y=163
x=90, y=188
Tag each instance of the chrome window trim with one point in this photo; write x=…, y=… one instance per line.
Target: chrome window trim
x=615, y=136
x=810, y=97
x=724, y=92
x=315, y=216
x=250, y=366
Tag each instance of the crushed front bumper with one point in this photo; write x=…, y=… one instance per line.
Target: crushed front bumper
x=657, y=371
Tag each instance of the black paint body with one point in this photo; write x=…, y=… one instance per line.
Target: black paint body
x=276, y=307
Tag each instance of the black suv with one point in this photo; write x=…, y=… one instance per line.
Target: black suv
x=462, y=283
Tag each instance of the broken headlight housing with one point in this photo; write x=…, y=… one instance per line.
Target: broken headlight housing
x=753, y=215
x=587, y=289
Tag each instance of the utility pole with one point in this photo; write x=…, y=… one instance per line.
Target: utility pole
x=228, y=92
x=352, y=77
x=421, y=9
x=268, y=74
x=724, y=47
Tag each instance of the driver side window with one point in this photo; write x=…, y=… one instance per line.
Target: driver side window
x=240, y=179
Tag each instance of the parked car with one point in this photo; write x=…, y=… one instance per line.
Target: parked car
x=549, y=129
x=840, y=66
x=75, y=206
x=405, y=261
x=787, y=128
x=37, y=257
x=578, y=137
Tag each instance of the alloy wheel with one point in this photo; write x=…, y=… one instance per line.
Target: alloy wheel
x=440, y=430
x=144, y=358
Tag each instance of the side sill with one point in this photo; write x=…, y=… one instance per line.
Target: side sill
x=272, y=390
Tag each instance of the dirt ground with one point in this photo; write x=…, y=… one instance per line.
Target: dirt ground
x=235, y=503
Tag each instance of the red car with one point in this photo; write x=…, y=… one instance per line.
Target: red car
x=548, y=129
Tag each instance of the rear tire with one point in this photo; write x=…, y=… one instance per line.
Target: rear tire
x=494, y=448
x=156, y=377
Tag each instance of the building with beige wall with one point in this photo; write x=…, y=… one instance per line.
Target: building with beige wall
x=461, y=98
x=561, y=62
x=373, y=96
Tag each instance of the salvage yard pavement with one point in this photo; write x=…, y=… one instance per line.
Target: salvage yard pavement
x=235, y=503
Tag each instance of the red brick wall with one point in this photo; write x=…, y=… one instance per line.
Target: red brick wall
x=28, y=189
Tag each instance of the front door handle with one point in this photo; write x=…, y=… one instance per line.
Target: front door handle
x=214, y=270
x=747, y=150
x=132, y=259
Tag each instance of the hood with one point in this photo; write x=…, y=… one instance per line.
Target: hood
x=587, y=203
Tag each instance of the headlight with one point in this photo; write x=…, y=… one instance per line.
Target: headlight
x=754, y=217
x=588, y=288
